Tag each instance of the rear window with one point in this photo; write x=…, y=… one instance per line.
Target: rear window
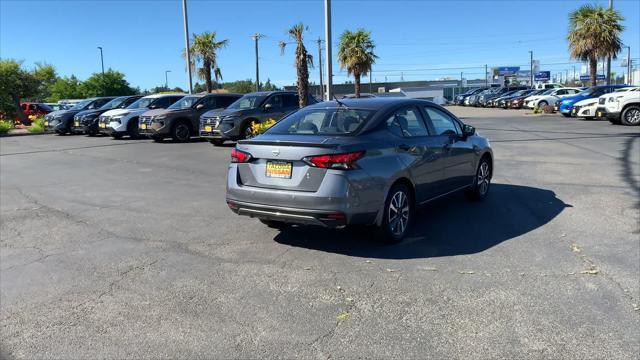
x=336, y=121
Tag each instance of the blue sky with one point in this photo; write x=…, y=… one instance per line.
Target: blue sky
x=145, y=38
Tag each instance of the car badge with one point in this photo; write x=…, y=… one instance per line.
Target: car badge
x=275, y=152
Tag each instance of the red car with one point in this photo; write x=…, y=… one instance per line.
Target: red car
x=36, y=109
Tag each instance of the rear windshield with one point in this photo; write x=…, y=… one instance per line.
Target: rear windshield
x=334, y=121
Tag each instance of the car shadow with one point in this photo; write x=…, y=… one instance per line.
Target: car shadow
x=446, y=227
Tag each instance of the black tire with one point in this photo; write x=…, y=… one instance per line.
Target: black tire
x=615, y=121
x=116, y=136
x=181, y=131
x=274, y=224
x=482, y=181
x=216, y=142
x=132, y=128
x=542, y=104
x=566, y=115
x=631, y=116
x=396, y=224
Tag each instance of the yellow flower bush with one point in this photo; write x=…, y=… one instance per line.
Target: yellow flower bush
x=259, y=128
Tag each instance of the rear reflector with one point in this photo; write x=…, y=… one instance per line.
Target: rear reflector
x=238, y=156
x=334, y=161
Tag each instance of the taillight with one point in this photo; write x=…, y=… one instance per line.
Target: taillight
x=238, y=156
x=334, y=161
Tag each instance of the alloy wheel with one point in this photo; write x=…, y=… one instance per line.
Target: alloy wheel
x=484, y=176
x=248, y=133
x=182, y=132
x=632, y=116
x=398, y=213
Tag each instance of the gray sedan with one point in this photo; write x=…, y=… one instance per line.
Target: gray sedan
x=357, y=161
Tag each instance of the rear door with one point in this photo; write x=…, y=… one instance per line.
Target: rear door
x=458, y=151
x=420, y=152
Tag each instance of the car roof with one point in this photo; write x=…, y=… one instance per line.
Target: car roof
x=267, y=93
x=167, y=94
x=375, y=103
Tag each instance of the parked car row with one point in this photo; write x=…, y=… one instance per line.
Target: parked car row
x=216, y=117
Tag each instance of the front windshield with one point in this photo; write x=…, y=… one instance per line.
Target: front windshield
x=548, y=92
x=113, y=104
x=142, y=103
x=82, y=104
x=247, y=102
x=519, y=93
x=185, y=103
x=337, y=121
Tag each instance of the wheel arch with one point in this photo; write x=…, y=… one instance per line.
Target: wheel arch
x=401, y=179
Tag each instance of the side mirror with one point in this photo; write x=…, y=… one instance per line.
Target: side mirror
x=153, y=107
x=267, y=107
x=199, y=106
x=468, y=130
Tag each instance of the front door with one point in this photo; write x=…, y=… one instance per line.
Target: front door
x=459, y=166
x=421, y=153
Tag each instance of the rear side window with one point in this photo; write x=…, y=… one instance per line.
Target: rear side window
x=290, y=100
x=442, y=122
x=407, y=123
x=338, y=121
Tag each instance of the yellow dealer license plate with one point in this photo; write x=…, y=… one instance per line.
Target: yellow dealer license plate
x=103, y=126
x=279, y=169
x=77, y=123
x=599, y=113
x=143, y=126
x=46, y=123
x=207, y=128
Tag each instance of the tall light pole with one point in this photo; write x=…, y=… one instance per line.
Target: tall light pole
x=609, y=57
x=186, y=40
x=531, y=69
x=101, y=59
x=574, y=73
x=166, y=79
x=628, y=65
x=327, y=39
x=256, y=37
x=320, y=68
x=486, y=76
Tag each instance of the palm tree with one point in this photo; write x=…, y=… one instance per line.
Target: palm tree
x=594, y=32
x=204, y=49
x=303, y=61
x=355, y=54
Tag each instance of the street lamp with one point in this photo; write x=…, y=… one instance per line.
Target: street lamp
x=166, y=79
x=101, y=59
x=531, y=69
x=186, y=40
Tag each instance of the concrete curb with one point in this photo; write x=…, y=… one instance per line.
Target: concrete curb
x=21, y=133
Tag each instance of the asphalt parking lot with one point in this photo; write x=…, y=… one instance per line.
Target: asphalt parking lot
x=126, y=249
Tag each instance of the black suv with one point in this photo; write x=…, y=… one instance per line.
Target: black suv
x=87, y=121
x=234, y=123
x=62, y=121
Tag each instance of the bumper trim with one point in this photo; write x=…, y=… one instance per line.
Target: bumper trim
x=290, y=215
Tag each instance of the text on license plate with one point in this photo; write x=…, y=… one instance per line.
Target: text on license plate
x=279, y=169
x=143, y=126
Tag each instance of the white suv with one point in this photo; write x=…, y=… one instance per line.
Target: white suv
x=120, y=122
x=549, y=97
x=621, y=107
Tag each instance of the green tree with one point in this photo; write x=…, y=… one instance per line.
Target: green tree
x=303, y=61
x=112, y=83
x=240, y=86
x=594, y=32
x=198, y=88
x=355, y=54
x=65, y=88
x=47, y=76
x=268, y=86
x=204, y=50
x=15, y=84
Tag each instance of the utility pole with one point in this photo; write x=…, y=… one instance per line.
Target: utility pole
x=628, y=65
x=574, y=73
x=256, y=37
x=327, y=39
x=461, y=88
x=166, y=79
x=486, y=76
x=609, y=57
x=370, y=75
x=566, y=77
x=101, y=60
x=186, y=40
x=531, y=70
x=320, y=68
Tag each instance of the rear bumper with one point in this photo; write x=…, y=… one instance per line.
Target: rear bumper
x=323, y=218
x=338, y=201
